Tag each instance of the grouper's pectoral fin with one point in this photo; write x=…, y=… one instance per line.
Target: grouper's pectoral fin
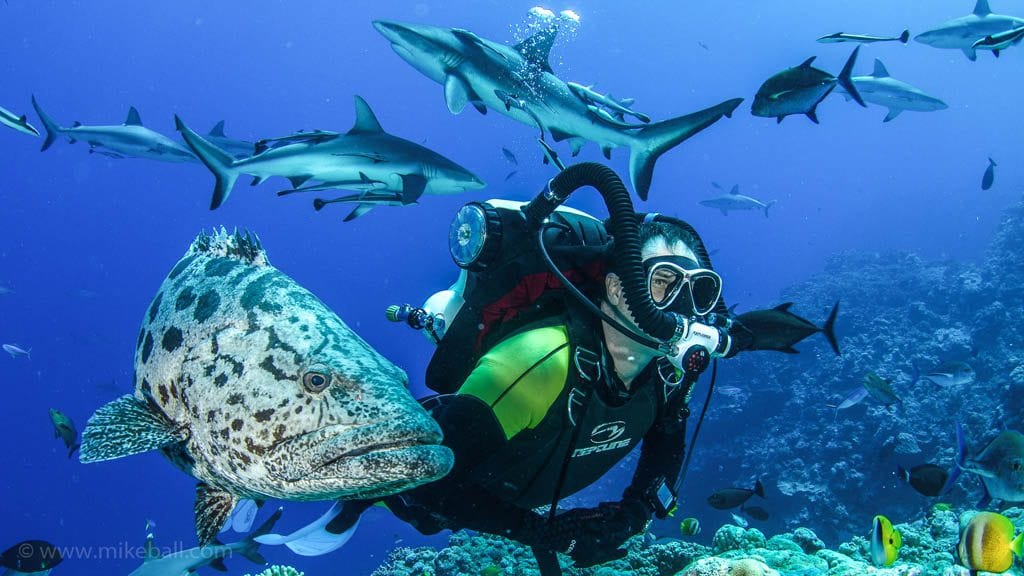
x=125, y=427
x=213, y=508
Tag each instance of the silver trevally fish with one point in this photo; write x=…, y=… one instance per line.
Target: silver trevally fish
x=863, y=38
x=185, y=562
x=736, y=201
x=14, y=350
x=247, y=382
x=961, y=33
x=129, y=140
x=1000, y=465
x=366, y=158
x=951, y=374
x=19, y=123
x=881, y=389
x=884, y=90
x=517, y=81
x=800, y=89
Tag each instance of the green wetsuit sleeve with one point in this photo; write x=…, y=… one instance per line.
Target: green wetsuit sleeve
x=521, y=377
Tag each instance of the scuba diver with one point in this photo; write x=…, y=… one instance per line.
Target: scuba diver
x=571, y=341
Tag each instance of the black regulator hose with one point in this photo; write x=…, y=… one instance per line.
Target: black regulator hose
x=624, y=228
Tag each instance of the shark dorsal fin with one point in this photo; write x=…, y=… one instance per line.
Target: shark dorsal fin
x=133, y=118
x=536, y=48
x=880, y=71
x=366, y=120
x=218, y=130
x=783, y=307
x=807, y=63
x=981, y=8
x=735, y=190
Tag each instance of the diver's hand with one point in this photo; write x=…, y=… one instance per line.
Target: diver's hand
x=590, y=536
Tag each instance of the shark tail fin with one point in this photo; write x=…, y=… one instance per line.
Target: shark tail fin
x=846, y=81
x=961, y=457
x=653, y=140
x=218, y=161
x=905, y=37
x=830, y=327
x=52, y=128
x=251, y=548
x=769, y=205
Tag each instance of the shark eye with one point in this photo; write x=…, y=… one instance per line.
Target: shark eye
x=316, y=381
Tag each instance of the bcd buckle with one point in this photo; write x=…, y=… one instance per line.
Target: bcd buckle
x=585, y=359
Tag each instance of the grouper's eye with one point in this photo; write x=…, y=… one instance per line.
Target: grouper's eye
x=316, y=381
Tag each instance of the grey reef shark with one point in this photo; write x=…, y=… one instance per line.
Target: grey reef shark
x=518, y=81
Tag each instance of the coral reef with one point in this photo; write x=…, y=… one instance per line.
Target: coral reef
x=928, y=546
x=279, y=571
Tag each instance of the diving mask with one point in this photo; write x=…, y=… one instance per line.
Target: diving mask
x=679, y=284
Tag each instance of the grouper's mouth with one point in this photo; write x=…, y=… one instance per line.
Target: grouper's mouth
x=378, y=452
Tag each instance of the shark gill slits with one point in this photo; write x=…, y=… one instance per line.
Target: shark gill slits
x=316, y=381
x=172, y=339
x=206, y=306
x=185, y=299
x=221, y=266
x=147, y=347
x=155, y=306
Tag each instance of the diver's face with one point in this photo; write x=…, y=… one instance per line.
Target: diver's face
x=655, y=247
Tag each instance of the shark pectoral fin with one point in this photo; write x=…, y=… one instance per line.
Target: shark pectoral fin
x=219, y=565
x=456, y=93
x=559, y=135
x=893, y=112
x=413, y=186
x=125, y=427
x=480, y=107
x=212, y=508
x=316, y=538
x=813, y=114
x=971, y=54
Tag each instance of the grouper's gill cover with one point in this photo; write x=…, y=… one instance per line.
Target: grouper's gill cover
x=248, y=382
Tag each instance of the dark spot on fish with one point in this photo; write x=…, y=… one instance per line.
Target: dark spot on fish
x=298, y=409
x=142, y=335
x=220, y=266
x=209, y=369
x=264, y=415
x=293, y=319
x=220, y=380
x=253, y=447
x=268, y=365
x=273, y=341
x=211, y=416
x=214, y=346
x=147, y=348
x=279, y=432
x=174, y=390
x=254, y=292
x=185, y=299
x=235, y=398
x=146, y=388
x=236, y=424
x=180, y=267
x=164, y=396
x=244, y=458
x=172, y=339
x=304, y=328
x=284, y=403
x=206, y=306
x=225, y=433
x=155, y=306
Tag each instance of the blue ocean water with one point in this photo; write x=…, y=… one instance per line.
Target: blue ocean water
x=85, y=240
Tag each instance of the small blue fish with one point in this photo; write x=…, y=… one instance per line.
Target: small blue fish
x=990, y=175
